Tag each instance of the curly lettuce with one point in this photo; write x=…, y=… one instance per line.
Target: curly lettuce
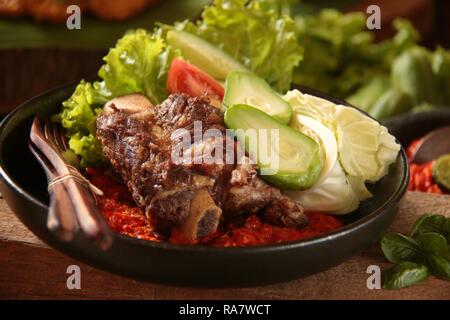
x=441, y=68
x=255, y=33
x=340, y=54
x=79, y=111
x=138, y=63
x=78, y=116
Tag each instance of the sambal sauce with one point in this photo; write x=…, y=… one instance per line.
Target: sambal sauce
x=124, y=217
x=421, y=175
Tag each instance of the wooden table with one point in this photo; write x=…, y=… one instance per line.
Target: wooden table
x=29, y=269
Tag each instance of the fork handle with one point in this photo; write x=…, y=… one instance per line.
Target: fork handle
x=61, y=218
x=89, y=217
x=88, y=214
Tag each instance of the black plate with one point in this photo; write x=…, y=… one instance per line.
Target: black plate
x=411, y=126
x=23, y=185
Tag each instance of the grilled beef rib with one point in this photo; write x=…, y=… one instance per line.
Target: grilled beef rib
x=138, y=139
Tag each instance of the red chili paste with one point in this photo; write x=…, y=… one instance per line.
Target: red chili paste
x=421, y=175
x=124, y=217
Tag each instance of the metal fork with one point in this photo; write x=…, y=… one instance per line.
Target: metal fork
x=50, y=140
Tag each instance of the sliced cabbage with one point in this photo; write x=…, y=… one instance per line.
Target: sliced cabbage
x=336, y=194
x=358, y=150
x=358, y=186
x=358, y=141
x=387, y=153
x=333, y=191
x=325, y=106
x=310, y=106
x=366, y=149
x=323, y=136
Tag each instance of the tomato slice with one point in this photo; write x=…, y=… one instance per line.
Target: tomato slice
x=187, y=78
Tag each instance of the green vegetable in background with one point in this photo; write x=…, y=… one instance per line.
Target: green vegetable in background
x=368, y=94
x=392, y=102
x=282, y=7
x=426, y=251
x=326, y=39
x=406, y=37
x=424, y=106
x=412, y=73
x=340, y=55
x=441, y=67
x=342, y=59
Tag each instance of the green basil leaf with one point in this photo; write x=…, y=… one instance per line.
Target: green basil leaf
x=447, y=254
x=397, y=247
x=431, y=223
x=403, y=275
x=447, y=229
x=439, y=265
x=433, y=242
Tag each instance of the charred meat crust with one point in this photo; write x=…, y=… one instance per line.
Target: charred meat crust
x=139, y=142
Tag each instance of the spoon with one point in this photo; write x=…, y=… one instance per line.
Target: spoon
x=434, y=144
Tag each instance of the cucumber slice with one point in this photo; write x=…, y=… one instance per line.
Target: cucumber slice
x=203, y=54
x=286, y=158
x=247, y=88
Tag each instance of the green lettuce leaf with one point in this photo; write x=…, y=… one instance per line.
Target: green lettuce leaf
x=78, y=117
x=79, y=111
x=283, y=7
x=255, y=33
x=441, y=68
x=329, y=40
x=88, y=148
x=138, y=63
x=340, y=55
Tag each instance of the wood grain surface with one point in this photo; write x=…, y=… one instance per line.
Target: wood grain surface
x=29, y=269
